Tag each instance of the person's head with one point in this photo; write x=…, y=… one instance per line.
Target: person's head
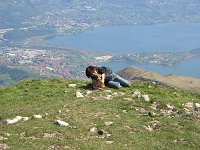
x=90, y=70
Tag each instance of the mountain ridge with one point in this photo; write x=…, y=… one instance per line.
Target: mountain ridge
x=175, y=81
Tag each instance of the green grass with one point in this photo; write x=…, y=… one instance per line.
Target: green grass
x=177, y=130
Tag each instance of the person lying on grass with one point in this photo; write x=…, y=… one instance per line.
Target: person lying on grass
x=105, y=76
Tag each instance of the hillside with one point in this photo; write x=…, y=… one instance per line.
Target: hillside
x=12, y=75
x=59, y=114
x=180, y=82
x=61, y=13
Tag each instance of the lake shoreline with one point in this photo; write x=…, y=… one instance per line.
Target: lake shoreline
x=126, y=39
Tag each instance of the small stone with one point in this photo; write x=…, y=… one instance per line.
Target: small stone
x=59, y=111
x=118, y=116
x=93, y=129
x=115, y=93
x=37, y=116
x=67, y=110
x=108, y=123
x=72, y=85
x=109, y=142
x=136, y=93
x=129, y=99
x=154, y=106
x=170, y=106
x=2, y=138
x=189, y=105
x=149, y=128
x=74, y=127
x=79, y=94
x=19, y=117
x=146, y=97
x=61, y=123
x=25, y=118
x=124, y=111
x=197, y=105
x=16, y=119
x=67, y=147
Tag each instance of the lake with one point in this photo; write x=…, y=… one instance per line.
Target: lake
x=187, y=68
x=140, y=38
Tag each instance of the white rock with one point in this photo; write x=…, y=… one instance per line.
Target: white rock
x=146, y=97
x=108, y=123
x=129, y=99
x=136, y=93
x=93, y=129
x=61, y=123
x=79, y=94
x=124, y=111
x=72, y=85
x=67, y=110
x=16, y=119
x=189, y=105
x=170, y=106
x=2, y=138
x=197, y=105
x=25, y=118
x=149, y=128
x=109, y=142
x=154, y=106
x=37, y=116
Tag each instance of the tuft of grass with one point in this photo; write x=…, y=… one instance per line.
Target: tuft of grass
x=133, y=127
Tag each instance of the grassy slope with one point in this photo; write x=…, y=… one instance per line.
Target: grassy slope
x=178, y=130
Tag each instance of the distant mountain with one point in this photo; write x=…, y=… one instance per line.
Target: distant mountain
x=19, y=13
x=181, y=82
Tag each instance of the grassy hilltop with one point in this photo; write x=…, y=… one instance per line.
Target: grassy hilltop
x=108, y=119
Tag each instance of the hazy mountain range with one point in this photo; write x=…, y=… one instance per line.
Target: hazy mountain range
x=19, y=13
